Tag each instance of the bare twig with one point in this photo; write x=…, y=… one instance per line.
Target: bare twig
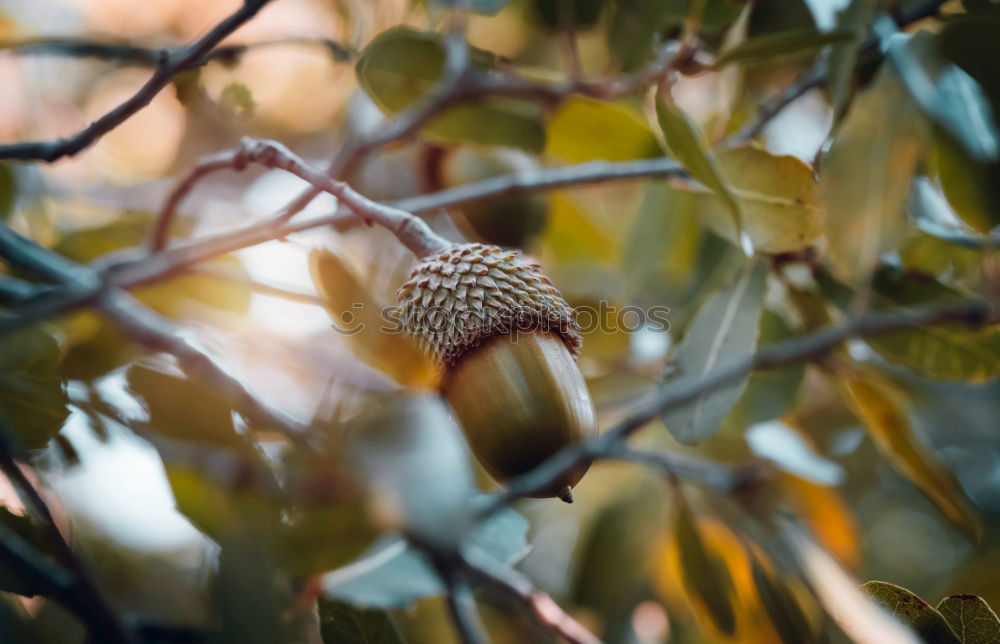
x=90, y=602
x=516, y=585
x=721, y=477
x=129, y=54
x=780, y=354
x=167, y=67
x=412, y=232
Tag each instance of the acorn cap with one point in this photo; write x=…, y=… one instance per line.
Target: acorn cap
x=456, y=300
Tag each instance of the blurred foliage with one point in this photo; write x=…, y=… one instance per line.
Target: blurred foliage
x=877, y=191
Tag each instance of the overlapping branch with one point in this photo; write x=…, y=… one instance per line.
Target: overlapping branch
x=167, y=66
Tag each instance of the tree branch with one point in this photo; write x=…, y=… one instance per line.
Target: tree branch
x=412, y=232
x=89, y=601
x=517, y=586
x=84, y=285
x=780, y=354
x=167, y=67
x=135, y=55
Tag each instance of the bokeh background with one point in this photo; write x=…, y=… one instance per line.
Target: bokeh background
x=610, y=556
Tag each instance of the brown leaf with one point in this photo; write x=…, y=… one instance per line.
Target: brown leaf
x=912, y=611
x=971, y=618
x=882, y=408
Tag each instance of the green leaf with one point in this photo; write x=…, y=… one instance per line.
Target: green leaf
x=969, y=186
x=865, y=178
x=402, y=65
x=392, y=574
x=946, y=93
x=856, y=17
x=685, y=142
x=248, y=593
x=583, y=129
x=971, y=618
x=777, y=199
x=8, y=190
x=32, y=399
x=238, y=100
x=943, y=352
x=225, y=494
x=660, y=256
x=413, y=457
x=912, y=611
x=181, y=408
x=723, y=332
x=882, y=408
x=704, y=572
x=776, y=46
x=632, y=28
x=779, y=602
x=769, y=393
x=341, y=623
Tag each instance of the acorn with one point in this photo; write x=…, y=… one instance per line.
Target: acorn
x=507, y=343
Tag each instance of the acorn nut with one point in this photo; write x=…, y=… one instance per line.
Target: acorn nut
x=507, y=342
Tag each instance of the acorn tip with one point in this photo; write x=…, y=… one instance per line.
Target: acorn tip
x=566, y=495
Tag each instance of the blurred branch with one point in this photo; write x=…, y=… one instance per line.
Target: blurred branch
x=796, y=350
x=462, y=606
x=770, y=108
x=87, y=601
x=29, y=563
x=86, y=285
x=412, y=232
x=13, y=289
x=724, y=478
x=166, y=68
x=458, y=85
x=545, y=609
x=135, y=55
x=150, y=329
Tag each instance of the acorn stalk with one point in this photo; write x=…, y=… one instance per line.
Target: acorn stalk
x=507, y=342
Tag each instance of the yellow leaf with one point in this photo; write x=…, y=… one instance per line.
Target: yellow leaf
x=584, y=129
x=377, y=340
x=882, y=408
x=865, y=178
x=777, y=198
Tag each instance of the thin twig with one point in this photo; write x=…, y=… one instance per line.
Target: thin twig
x=412, y=232
x=168, y=67
x=793, y=351
x=93, y=606
x=129, y=54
